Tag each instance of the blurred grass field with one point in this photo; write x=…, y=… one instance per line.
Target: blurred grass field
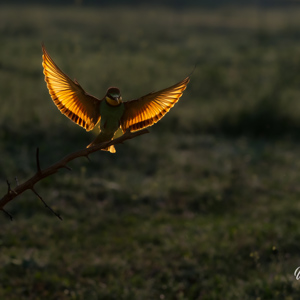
x=205, y=207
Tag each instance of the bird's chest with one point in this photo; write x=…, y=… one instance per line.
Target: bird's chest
x=110, y=116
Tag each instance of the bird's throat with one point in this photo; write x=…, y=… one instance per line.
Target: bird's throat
x=112, y=102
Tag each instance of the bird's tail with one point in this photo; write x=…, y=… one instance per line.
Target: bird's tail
x=111, y=149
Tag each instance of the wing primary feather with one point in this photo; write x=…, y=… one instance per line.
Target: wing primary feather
x=69, y=97
x=149, y=109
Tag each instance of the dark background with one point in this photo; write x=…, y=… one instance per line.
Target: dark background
x=205, y=206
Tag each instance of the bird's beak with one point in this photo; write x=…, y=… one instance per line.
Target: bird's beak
x=118, y=99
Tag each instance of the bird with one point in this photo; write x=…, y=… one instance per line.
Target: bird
x=111, y=112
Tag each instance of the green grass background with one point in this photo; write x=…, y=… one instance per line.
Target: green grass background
x=206, y=206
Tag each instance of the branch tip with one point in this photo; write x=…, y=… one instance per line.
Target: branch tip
x=46, y=205
x=8, y=186
x=38, y=166
x=9, y=190
x=68, y=168
x=7, y=213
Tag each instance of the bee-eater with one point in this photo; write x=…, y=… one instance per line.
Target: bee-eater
x=86, y=110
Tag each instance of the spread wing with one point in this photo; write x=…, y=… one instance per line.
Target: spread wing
x=69, y=97
x=149, y=109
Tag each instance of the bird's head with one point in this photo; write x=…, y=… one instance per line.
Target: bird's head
x=113, y=96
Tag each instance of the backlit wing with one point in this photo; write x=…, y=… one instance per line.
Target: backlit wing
x=69, y=97
x=149, y=109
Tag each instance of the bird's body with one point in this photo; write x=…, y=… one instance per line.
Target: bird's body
x=109, y=123
x=87, y=110
x=111, y=116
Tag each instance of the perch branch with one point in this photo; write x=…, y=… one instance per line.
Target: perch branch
x=41, y=174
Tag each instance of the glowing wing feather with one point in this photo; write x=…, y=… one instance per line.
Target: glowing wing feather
x=69, y=97
x=149, y=109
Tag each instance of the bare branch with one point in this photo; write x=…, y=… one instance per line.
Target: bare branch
x=41, y=174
